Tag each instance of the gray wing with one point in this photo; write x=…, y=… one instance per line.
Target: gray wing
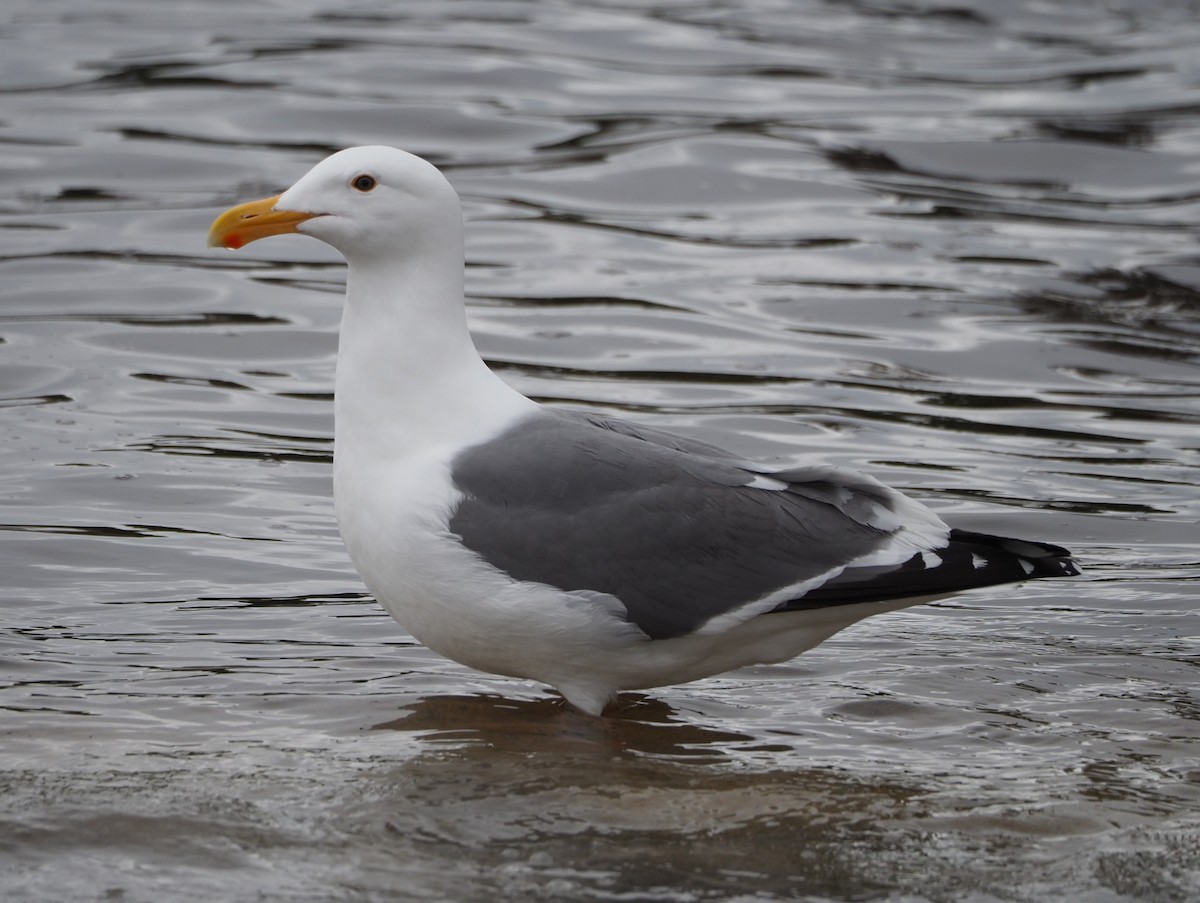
x=669, y=527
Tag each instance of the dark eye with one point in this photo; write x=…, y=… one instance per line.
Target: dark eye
x=364, y=182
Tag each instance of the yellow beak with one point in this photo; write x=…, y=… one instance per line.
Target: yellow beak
x=240, y=225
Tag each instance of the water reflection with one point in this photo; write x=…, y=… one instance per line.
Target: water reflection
x=547, y=797
x=636, y=725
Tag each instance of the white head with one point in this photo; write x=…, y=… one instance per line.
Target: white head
x=367, y=202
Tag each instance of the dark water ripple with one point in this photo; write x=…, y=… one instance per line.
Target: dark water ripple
x=953, y=244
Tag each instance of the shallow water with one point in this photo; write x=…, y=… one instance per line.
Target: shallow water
x=953, y=244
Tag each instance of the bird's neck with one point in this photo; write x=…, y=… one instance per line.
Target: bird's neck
x=409, y=378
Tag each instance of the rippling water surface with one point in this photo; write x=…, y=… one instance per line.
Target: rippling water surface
x=950, y=242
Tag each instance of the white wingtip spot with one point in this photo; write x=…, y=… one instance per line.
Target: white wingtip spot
x=762, y=482
x=978, y=561
x=931, y=560
x=1026, y=566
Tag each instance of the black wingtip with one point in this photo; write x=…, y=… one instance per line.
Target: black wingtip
x=1041, y=559
x=968, y=560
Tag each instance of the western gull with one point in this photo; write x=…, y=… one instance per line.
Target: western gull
x=585, y=552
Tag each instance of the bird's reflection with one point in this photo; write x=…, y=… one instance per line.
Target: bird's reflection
x=640, y=798
x=634, y=724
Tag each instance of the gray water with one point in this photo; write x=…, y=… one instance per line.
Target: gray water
x=949, y=242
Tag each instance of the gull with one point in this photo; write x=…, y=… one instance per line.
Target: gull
x=589, y=553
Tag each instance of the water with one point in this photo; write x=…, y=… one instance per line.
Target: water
x=953, y=244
